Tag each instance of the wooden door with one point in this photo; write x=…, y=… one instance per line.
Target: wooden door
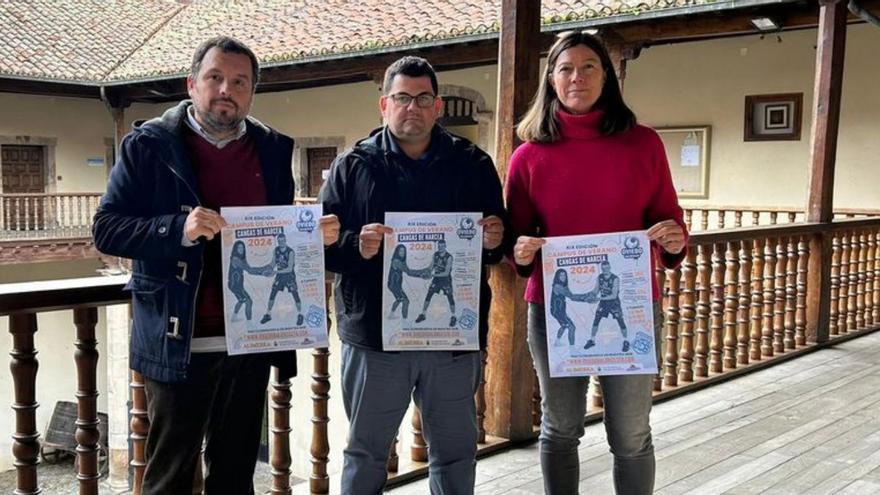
x=23, y=172
x=319, y=159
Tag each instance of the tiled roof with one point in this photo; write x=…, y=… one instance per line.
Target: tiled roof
x=79, y=40
x=127, y=40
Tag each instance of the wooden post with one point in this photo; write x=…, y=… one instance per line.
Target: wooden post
x=25, y=444
x=509, y=373
x=86, y=357
x=826, y=118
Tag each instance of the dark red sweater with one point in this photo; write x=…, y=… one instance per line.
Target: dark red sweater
x=231, y=176
x=587, y=183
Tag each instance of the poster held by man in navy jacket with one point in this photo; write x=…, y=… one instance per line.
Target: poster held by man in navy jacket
x=431, y=297
x=273, y=263
x=599, y=313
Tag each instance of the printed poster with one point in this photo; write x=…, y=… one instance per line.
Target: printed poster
x=431, y=282
x=598, y=304
x=273, y=279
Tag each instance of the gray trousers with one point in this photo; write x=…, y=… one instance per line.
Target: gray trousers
x=221, y=401
x=627, y=400
x=376, y=391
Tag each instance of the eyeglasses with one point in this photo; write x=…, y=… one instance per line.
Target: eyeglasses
x=423, y=100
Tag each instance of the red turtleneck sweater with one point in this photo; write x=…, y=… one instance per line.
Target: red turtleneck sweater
x=587, y=183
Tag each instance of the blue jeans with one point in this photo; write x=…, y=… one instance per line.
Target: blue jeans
x=627, y=401
x=376, y=391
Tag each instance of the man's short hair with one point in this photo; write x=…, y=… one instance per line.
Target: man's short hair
x=226, y=44
x=409, y=66
x=281, y=236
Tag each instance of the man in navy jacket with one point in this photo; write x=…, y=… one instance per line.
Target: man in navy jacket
x=161, y=210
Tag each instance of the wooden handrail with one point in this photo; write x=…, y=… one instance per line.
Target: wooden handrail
x=53, y=295
x=51, y=195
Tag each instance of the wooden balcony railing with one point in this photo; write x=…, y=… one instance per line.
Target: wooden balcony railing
x=714, y=217
x=44, y=216
x=741, y=300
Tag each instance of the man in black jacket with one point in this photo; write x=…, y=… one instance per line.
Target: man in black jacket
x=161, y=209
x=410, y=165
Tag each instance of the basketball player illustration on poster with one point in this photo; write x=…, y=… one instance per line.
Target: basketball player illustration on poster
x=432, y=259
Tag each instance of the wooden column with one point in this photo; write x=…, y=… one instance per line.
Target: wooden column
x=86, y=357
x=25, y=445
x=509, y=373
x=826, y=118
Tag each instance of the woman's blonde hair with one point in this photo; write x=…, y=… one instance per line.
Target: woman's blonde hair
x=541, y=124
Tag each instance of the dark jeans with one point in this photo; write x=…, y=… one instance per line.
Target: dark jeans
x=221, y=401
x=627, y=400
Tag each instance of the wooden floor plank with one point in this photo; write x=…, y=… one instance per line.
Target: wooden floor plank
x=806, y=426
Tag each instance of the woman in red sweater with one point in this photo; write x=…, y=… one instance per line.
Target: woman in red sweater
x=587, y=167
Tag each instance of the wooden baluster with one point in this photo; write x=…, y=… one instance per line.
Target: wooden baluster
x=716, y=320
x=876, y=297
x=140, y=427
x=704, y=289
x=393, y=464
x=852, y=292
x=673, y=312
x=756, y=218
x=791, y=292
x=86, y=358
x=738, y=218
x=870, y=280
x=769, y=297
x=757, y=307
x=731, y=304
x=843, y=302
x=689, y=218
x=79, y=212
x=24, y=365
x=660, y=273
x=800, y=316
x=319, y=480
x=774, y=216
x=419, y=449
x=598, y=401
x=704, y=219
x=280, y=460
x=861, y=267
x=835, y=286
x=27, y=214
x=745, y=298
x=536, y=399
x=688, y=313
x=480, y=399
x=721, y=219
x=779, y=296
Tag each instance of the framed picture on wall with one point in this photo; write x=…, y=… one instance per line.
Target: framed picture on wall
x=687, y=149
x=773, y=117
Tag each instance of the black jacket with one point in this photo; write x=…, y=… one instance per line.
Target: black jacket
x=371, y=179
x=152, y=188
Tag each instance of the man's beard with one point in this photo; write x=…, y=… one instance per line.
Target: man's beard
x=219, y=122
